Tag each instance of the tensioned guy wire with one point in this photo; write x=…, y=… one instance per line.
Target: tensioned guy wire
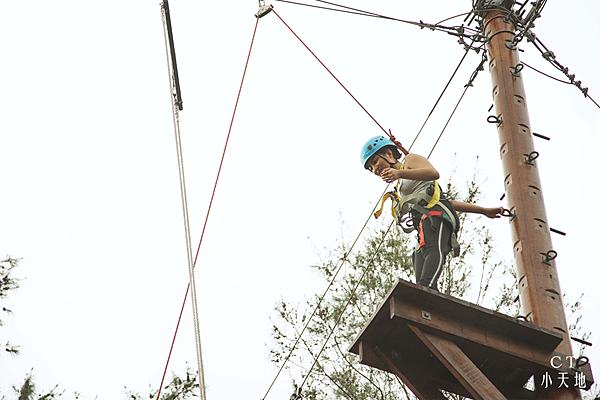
x=201, y=377
x=180, y=165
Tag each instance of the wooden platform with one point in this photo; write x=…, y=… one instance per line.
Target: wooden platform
x=433, y=341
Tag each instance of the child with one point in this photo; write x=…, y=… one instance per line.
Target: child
x=432, y=214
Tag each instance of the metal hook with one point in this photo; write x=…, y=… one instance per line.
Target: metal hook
x=492, y=119
x=549, y=256
x=529, y=158
x=581, y=361
x=507, y=213
x=516, y=69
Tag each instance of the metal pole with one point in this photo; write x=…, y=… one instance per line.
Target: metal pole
x=539, y=289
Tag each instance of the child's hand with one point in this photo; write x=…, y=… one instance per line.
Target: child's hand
x=390, y=175
x=494, y=212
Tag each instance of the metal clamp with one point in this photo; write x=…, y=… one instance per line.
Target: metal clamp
x=549, y=256
x=492, y=119
x=515, y=71
x=529, y=158
x=263, y=9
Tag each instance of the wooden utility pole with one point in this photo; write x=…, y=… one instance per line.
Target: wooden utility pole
x=436, y=343
x=539, y=289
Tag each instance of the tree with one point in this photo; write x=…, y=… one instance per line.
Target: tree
x=8, y=283
x=318, y=360
x=177, y=389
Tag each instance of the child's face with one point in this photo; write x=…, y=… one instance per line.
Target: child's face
x=378, y=163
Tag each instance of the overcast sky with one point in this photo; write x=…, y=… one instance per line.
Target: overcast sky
x=89, y=183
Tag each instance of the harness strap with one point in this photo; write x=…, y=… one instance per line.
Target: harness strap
x=399, y=211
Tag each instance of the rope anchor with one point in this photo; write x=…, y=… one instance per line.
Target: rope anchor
x=530, y=158
x=263, y=9
x=549, y=256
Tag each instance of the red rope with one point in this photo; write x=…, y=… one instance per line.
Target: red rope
x=342, y=85
x=209, y=207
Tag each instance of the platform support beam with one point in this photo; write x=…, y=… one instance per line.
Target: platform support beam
x=460, y=366
x=423, y=389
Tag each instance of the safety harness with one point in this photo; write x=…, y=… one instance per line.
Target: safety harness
x=422, y=203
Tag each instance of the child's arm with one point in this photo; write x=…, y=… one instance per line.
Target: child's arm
x=493, y=212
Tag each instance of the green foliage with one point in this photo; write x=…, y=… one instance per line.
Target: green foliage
x=178, y=389
x=8, y=283
x=27, y=391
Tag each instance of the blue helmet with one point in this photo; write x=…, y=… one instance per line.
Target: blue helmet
x=375, y=144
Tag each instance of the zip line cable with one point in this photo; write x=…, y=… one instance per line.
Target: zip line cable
x=297, y=395
x=201, y=378
x=467, y=86
x=523, y=30
x=440, y=97
x=560, y=80
x=455, y=31
x=338, y=268
x=176, y=104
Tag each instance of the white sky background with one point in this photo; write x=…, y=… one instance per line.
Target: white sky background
x=90, y=195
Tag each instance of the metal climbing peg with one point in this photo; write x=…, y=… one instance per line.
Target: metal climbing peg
x=492, y=119
x=549, y=256
x=530, y=158
x=515, y=71
x=506, y=213
x=581, y=361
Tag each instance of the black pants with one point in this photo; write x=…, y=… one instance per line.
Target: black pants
x=429, y=260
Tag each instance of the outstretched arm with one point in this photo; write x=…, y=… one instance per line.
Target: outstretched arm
x=493, y=212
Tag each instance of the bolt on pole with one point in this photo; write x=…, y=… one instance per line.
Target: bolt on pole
x=539, y=289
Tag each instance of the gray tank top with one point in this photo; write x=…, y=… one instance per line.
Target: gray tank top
x=408, y=186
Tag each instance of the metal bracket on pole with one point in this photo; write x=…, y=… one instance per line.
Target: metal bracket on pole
x=263, y=9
